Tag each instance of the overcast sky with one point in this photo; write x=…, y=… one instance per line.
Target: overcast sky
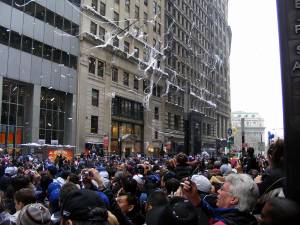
x=254, y=61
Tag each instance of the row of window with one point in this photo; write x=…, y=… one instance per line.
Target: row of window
x=127, y=108
x=176, y=119
x=37, y=48
x=97, y=67
x=116, y=16
x=46, y=15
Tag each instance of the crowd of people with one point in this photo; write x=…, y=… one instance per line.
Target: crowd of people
x=179, y=190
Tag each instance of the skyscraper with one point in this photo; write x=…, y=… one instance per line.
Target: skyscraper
x=39, y=48
x=198, y=105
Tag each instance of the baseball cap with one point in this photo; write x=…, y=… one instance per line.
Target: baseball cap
x=202, y=183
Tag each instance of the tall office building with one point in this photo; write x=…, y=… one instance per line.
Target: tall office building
x=197, y=110
x=38, y=71
x=120, y=63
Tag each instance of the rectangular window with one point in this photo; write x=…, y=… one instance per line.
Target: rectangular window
x=114, y=73
x=176, y=122
x=30, y=8
x=126, y=78
x=47, y=52
x=40, y=12
x=169, y=119
x=136, y=84
x=59, y=21
x=65, y=59
x=101, y=33
x=158, y=91
x=154, y=8
x=92, y=65
x=93, y=28
x=102, y=8
x=127, y=5
x=56, y=55
x=67, y=26
x=49, y=17
x=95, y=4
x=15, y=40
x=145, y=18
x=4, y=35
x=156, y=113
x=146, y=2
x=37, y=48
x=136, y=52
x=116, y=42
x=73, y=62
x=95, y=97
x=94, y=124
x=75, y=29
x=100, y=68
x=155, y=134
x=137, y=12
x=26, y=44
x=159, y=28
x=126, y=46
x=116, y=18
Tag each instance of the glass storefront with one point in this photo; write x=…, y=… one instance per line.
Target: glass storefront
x=52, y=115
x=12, y=115
x=126, y=137
x=128, y=134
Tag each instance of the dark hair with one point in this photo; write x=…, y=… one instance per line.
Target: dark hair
x=225, y=160
x=181, y=158
x=74, y=178
x=283, y=211
x=172, y=185
x=20, y=182
x=45, y=181
x=277, y=154
x=129, y=185
x=157, y=198
x=66, y=189
x=250, y=151
x=25, y=195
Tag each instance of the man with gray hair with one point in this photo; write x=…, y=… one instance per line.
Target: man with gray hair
x=236, y=199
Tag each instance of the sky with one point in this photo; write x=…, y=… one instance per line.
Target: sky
x=254, y=61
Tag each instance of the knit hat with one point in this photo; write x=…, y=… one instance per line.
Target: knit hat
x=202, y=183
x=34, y=214
x=84, y=205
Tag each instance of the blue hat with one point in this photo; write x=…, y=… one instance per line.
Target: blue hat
x=154, y=178
x=53, y=186
x=103, y=197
